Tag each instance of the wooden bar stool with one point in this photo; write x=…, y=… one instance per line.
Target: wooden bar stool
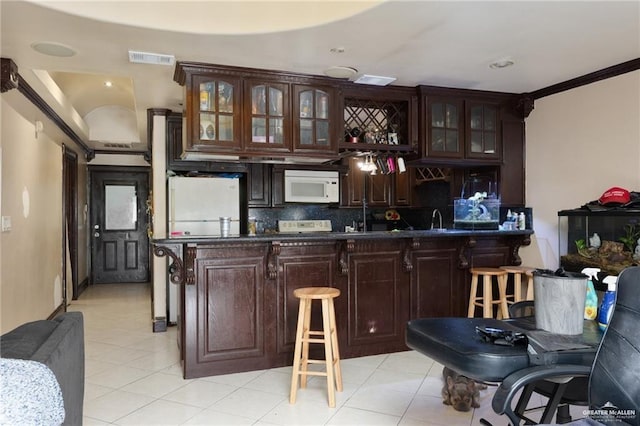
x=328, y=335
x=486, y=301
x=518, y=272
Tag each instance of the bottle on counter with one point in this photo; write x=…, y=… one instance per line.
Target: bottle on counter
x=509, y=224
x=591, y=299
x=608, y=302
x=522, y=225
x=252, y=226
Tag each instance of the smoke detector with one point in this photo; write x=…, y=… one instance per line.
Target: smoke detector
x=51, y=48
x=340, y=72
x=150, y=58
x=502, y=63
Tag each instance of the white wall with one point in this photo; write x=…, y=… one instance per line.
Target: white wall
x=31, y=265
x=579, y=143
x=31, y=256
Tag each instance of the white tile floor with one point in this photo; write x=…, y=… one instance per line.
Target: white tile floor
x=133, y=377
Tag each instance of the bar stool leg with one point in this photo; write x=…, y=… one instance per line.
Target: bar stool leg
x=529, y=287
x=502, y=291
x=487, y=297
x=297, y=353
x=306, y=335
x=328, y=353
x=334, y=344
x=472, y=296
x=517, y=287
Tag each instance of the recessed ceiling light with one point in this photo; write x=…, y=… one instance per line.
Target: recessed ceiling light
x=501, y=63
x=108, y=83
x=340, y=72
x=375, y=80
x=53, y=49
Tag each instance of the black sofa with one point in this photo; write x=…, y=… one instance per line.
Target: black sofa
x=58, y=344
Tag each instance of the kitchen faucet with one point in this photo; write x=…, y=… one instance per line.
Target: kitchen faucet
x=364, y=211
x=433, y=216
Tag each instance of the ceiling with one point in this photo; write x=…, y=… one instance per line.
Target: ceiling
x=442, y=43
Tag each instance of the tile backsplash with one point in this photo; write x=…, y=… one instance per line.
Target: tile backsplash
x=434, y=195
x=267, y=218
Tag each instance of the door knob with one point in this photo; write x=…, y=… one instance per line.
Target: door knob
x=96, y=234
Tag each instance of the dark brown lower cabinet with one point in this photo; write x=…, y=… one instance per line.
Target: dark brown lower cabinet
x=377, y=299
x=229, y=313
x=238, y=312
x=312, y=265
x=437, y=282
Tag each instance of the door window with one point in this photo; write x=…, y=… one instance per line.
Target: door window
x=120, y=203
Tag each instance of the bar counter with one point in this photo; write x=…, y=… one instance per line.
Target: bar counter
x=237, y=311
x=428, y=233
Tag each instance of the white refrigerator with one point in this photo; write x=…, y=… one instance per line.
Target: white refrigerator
x=197, y=203
x=195, y=207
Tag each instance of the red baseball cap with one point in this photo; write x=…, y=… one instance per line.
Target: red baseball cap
x=615, y=195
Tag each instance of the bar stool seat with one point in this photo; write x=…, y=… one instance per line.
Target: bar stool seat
x=518, y=272
x=486, y=301
x=328, y=336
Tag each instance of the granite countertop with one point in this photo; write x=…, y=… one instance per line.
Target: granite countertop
x=430, y=233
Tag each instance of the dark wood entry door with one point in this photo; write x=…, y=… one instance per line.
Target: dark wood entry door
x=120, y=244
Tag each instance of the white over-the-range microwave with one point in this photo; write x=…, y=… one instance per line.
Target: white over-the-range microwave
x=311, y=186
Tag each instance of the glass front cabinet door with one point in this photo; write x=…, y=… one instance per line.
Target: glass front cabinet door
x=445, y=126
x=268, y=124
x=483, y=140
x=313, y=125
x=217, y=125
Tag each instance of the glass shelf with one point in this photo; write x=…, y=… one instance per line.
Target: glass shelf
x=216, y=111
x=267, y=114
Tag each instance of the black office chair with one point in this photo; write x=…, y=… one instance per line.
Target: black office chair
x=561, y=395
x=614, y=377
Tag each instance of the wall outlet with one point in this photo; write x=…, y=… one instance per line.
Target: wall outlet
x=6, y=223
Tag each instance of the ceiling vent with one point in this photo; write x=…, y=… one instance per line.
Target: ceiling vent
x=151, y=58
x=375, y=80
x=116, y=145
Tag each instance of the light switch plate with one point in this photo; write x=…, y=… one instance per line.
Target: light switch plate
x=6, y=223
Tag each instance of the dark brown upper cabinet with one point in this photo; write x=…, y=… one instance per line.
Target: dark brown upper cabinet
x=381, y=190
x=246, y=113
x=462, y=124
x=268, y=124
x=445, y=127
x=482, y=127
x=259, y=185
x=174, y=153
x=214, y=108
x=314, y=126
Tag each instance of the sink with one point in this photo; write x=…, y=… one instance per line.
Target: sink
x=438, y=229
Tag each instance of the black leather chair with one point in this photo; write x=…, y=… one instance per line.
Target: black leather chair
x=614, y=377
x=560, y=394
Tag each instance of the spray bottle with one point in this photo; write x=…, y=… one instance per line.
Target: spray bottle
x=591, y=299
x=608, y=302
